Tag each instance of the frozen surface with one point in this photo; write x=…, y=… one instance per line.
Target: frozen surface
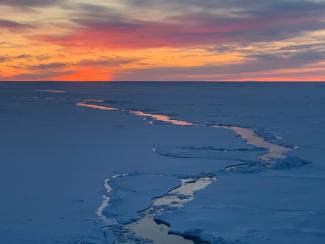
x=81, y=163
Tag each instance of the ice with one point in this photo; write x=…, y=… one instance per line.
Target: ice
x=59, y=162
x=274, y=151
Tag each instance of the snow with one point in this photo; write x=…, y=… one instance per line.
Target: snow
x=82, y=174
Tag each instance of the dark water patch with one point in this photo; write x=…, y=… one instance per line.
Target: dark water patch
x=213, y=153
x=194, y=236
x=213, y=157
x=146, y=228
x=115, y=102
x=198, y=237
x=252, y=167
x=289, y=162
x=92, y=100
x=156, y=232
x=255, y=167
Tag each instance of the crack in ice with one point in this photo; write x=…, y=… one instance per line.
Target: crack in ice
x=147, y=227
x=104, y=204
x=274, y=151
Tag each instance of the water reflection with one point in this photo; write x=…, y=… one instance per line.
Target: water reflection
x=162, y=118
x=87, y=105
x=274, y=151
x=158, y=232
x=146, y=227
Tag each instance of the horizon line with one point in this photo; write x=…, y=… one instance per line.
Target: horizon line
x=160, y=81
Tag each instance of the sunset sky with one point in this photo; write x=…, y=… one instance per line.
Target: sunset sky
x=149, y=40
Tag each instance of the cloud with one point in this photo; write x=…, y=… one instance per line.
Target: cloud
x=189, y=30
x=28, y=3
x=48, y=66
x=250, y=67
x=106, y=62
x=23, y=56
x=91, y=9
x=233, y=6
x=48, y=75
x=12, y=25
x=86, y=33
x=3, y=59
x=40, y=67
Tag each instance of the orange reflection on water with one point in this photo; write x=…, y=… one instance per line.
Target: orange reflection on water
x=275, y=151
x=163, y=118
x=96, y=106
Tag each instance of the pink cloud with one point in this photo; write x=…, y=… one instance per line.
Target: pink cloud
x=183, y=31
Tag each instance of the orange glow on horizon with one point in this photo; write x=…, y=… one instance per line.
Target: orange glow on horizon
x=115, y=41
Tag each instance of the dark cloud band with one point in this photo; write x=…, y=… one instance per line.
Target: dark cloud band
x=28, y=3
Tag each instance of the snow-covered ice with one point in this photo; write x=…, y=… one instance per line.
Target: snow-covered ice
x=214, y=163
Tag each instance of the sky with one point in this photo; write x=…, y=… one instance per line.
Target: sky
x=162, y=40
